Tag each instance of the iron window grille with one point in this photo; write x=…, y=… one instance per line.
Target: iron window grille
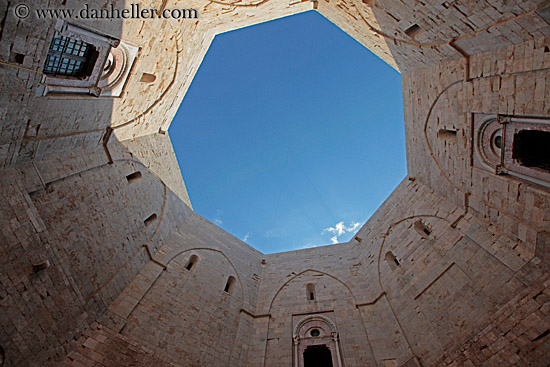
x=69, y=57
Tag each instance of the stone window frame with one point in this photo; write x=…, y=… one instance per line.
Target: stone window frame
x=109, y=74
x=493, y=145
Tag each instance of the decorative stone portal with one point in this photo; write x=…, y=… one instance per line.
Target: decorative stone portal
x=316, y=343
x=514, y=146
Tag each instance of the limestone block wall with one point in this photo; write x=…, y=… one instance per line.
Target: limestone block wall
x=444, y=32
x=105, y=347
x=186, y=316
x=41, y=126
x=410, y=35
x=450, y=286
x=512, y=214
x=41, y=313
x=349, y=280
x=89, y=223
x=441, y=298
x=454, y=296
x=497, y=267
x=283, y=299
x=333, y=299
x=451, y=270
x=156, y=153
x=509, y=81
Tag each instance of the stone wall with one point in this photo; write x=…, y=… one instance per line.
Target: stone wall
x=90, y=227
x=451, y=270
x=498, y=267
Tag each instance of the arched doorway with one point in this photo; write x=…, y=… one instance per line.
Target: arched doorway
x=317, y=356
x=316, y=343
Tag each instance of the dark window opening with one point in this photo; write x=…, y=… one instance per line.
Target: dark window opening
x=317, y=356
x=2, y=356
x=422, y=229
x=315, y=333
x=392, y=260
x=192, y=262
x=148, y=78
x=150, y=220
x=70, y=57
x=446, y=134
x=414, y=31
x=133, y=177
x=229, y=285
x=18, y=58
x=310, y=292
x=532, y=149
x=42, y=265
x=498, y=141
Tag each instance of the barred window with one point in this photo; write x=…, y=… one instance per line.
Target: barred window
x=69, y=57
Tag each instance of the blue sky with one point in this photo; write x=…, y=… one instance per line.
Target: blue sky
x=291, y=134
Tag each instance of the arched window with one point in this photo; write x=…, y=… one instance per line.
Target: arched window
x=192, y=262
x=310, y=292
x=392, y=260
x=230, y=285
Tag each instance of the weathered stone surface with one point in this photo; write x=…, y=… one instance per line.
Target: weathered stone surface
x=474, y=291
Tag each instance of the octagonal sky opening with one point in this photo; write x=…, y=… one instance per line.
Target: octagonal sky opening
x=291, y=134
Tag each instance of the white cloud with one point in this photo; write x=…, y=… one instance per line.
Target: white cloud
x=246, y=236
x=340, y=229
x=218, y=221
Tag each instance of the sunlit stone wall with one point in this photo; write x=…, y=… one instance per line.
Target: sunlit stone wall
x=451, y=270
